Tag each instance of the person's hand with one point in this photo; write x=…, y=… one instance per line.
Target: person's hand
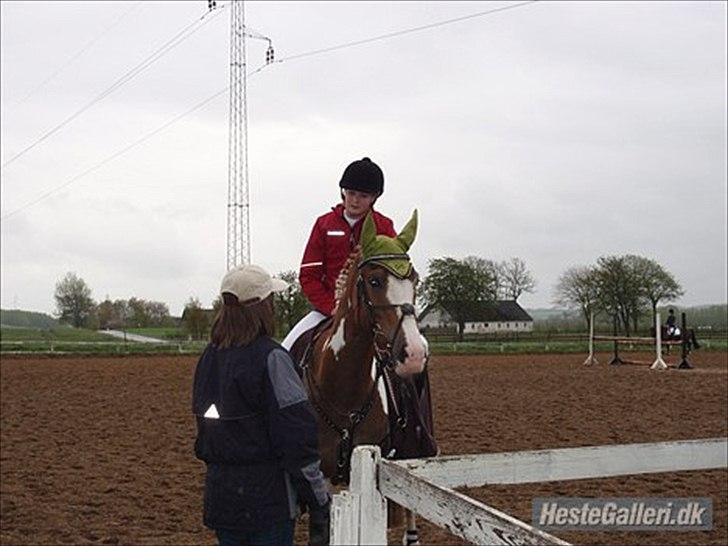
x=319, y=519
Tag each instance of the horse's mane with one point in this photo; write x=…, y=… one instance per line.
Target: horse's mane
x=345, y=283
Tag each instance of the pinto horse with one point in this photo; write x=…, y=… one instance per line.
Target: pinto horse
x=360, y=360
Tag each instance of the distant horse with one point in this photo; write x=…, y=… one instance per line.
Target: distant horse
x=674, y=333
x=371, y=347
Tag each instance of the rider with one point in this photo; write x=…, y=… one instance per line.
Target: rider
x=334, y=236
x=671, y=322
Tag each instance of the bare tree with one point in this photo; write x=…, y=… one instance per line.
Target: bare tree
x=516, y=278
x=658, y=284
x=577, y=287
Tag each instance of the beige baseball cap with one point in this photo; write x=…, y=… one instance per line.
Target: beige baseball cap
x=250, y=282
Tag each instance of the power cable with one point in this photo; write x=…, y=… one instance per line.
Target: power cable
x=80, y=52
x=401, y=32
x=127, y=148
x=269, y=61
x=132, y=73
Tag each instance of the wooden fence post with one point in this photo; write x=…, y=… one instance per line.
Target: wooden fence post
x=372, y=520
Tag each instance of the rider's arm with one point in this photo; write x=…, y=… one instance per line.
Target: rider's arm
x=313, y=272
x=387, y=228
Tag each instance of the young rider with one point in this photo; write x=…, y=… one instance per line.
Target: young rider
x=333, y=238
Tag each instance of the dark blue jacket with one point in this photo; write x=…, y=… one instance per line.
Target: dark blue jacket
x=257, y=433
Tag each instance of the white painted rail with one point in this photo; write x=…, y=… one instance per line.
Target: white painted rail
x=571, y=463
x=425, y=486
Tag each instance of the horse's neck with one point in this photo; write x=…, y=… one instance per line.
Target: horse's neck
x=345, y=368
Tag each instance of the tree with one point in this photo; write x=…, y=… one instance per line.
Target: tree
x=617, y=289
x=492, y=269
x=458, y=287
x=195, y=319
x=73, y=300
x=577, y=287
x=107, y=314
x=516, y=279
x=658, y=285
x=291, y=305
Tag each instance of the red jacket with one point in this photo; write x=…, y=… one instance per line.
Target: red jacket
x=329, y=245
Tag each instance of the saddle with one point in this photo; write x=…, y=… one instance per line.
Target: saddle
x=302, y=347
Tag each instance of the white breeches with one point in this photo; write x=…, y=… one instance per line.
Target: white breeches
x=306, y=323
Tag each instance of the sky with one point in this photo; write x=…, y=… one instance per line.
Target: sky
x=557, y=132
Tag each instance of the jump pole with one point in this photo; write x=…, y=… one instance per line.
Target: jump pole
x=659, y=364
x=591, y=359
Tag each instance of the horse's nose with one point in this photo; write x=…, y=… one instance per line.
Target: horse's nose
x=412, y=359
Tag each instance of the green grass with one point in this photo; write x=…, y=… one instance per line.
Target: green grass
x=78, y=341
x=540, y=347
x=166, y=332
x=52, y=334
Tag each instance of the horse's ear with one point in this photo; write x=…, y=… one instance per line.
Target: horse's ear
x=368, y=233
x=409, y=232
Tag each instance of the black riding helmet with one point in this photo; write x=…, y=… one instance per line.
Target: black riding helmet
x=363, y=175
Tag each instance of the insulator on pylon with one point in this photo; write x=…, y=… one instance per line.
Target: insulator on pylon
x=269, y=55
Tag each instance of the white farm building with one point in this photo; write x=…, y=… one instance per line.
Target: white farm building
x=501, y=316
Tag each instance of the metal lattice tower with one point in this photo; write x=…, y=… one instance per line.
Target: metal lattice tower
x=238, y=206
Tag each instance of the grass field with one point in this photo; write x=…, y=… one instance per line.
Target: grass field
x=80, y=341
x=168, y=332
x=53, y=334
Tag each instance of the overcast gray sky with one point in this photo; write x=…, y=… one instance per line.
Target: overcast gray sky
x=556, y=132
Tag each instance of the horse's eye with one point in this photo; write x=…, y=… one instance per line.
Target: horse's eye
x=376, y=283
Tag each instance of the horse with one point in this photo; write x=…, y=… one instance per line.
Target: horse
x=368, y=354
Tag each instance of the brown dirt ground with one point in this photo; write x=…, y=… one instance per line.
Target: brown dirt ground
x=99, y=450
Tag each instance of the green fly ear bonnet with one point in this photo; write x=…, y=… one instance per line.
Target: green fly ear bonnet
x=390, y=253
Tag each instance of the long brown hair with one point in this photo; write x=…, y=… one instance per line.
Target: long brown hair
x=239, y=324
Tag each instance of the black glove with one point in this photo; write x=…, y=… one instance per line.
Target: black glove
x=319, y=519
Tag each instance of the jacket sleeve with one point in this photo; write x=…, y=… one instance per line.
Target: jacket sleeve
x=387, y=228
x=293, y=431
x=311, y=274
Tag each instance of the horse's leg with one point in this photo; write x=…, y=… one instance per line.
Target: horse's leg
x=411, y=537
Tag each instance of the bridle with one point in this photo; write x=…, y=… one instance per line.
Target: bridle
x=383, y=354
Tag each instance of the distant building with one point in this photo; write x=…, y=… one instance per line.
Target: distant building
x=499, y=317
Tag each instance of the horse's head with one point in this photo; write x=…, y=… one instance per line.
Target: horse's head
x=386, y=285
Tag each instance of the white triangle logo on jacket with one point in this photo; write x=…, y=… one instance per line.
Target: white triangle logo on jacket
x=212, y=413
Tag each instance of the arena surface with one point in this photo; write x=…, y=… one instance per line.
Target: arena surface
x=99, y=450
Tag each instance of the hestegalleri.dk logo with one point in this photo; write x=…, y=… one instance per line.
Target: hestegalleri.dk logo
x=624, y=513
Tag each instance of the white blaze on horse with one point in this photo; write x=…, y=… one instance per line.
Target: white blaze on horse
x=372, y=342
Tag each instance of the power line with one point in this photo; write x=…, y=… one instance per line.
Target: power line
x=402, y=32
x=127, y=148
x=251, y=74
x=80, y=52
x=128, y=76
x=116, y=154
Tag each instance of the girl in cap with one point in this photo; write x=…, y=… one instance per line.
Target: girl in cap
x=333, y=238
x=256, y=430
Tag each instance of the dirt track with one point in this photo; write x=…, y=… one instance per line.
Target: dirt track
x=99, y=450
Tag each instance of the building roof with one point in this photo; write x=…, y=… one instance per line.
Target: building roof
x=497, y=311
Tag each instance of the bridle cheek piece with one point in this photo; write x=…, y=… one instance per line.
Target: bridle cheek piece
x=383, y=353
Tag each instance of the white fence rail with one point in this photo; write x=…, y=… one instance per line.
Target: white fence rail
x=425, y=486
